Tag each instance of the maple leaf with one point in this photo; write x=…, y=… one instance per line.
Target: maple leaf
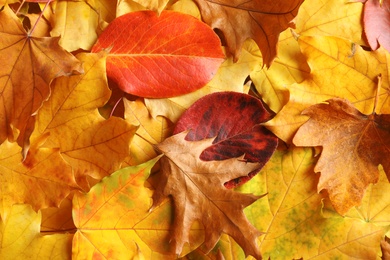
x=113, y=220
x=29, y=182
x=75, y=33
x=376, y=20
x=20, y=237
x=39, y=60
x=198, y=192
x=70, y=121
x=154, y=5
x=163, y=56
x=353, y=144
x=339, y=68
x=260, y=20
x=297, y=224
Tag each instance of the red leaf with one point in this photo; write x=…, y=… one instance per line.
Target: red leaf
x=160, y=56
x=376, y=19
x=233, y=118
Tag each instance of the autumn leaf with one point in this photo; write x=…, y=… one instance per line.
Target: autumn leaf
x=198, y=192
x=150, y=131
x=70, y=120
x=339, y=69
x=230, y=77
x=20, y=237
x=260, y=20
x=75, y=33
x=161, y=56
x=376, y=21
x=353, y=144
x=338, y=18
x=233, y=119
x=114, y=221
x=154, y=5
x=28, y=181
x=39, y=60
x=295, y=221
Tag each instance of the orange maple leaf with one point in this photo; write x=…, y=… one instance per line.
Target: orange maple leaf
x=28, y=65
x=354, y=144
x=198, y=192
x=260, y=20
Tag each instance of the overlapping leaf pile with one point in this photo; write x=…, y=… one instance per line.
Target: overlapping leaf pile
x=194, y=129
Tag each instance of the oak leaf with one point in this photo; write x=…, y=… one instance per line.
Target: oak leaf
x=161, y=56
x=198, y=192
x=260, y=20
x=28, y=65
x=354, y=144
x=376, y=20
x=20, y=237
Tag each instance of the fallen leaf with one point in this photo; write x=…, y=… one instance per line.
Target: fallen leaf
x=338, y=18
x=150, y=131
x=163, y=56
x=29, y=182
x=70, y=121
x=76, y=22
x=292, y=219
x=376, y=20
x=385, y=246
x=28, y=65
x=198, y=193
x=114, y=221
x=339, y=69
x=354, y=144
x=260, y=20
x=57, y=219
x=234, y=120
x=230, y=77
x=20, y=237
x=154, y=5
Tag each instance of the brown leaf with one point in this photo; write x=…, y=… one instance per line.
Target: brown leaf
x=261, y=20
x=198, y=192
x=385, y=246
x=28, y=65
x=354, y=144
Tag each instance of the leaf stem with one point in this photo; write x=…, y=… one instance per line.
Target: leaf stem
x=20, y=7
x=377, y=92
x=39, y=18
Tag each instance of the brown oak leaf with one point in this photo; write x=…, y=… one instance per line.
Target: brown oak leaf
x=354, y=144
x=261, y=20
x=198, y=193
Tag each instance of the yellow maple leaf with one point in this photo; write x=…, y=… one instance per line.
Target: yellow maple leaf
x=150, y=131
x=337, y=18
x=114, y=221
x=339, y=68
x=75, y=33
x=20, y=237
x=28, y=65
x=29, y=182
x=70, y=121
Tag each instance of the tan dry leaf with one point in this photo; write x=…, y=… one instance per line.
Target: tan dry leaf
x=354, y=144
x=198, y=192
x=261, y=20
